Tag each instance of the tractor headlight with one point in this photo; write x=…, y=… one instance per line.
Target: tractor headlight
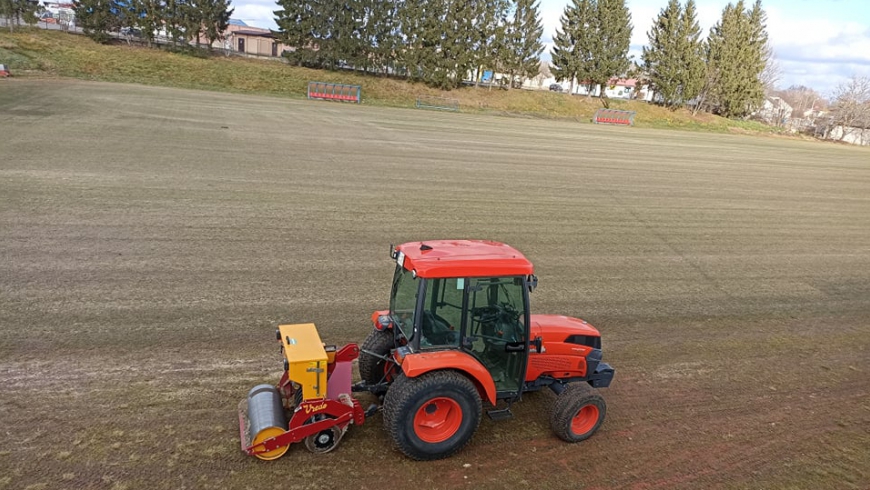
x=286, y=365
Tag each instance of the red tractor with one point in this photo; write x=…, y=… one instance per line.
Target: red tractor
x=458, y=333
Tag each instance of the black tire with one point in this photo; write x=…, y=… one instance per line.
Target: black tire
x=568, y=405
x=409, y=396
x=371, y=368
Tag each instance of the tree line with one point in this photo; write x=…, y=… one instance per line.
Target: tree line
x=439, y=42
x=182, y=20
x=17, y=10
x=726, y=73
x=444, y=42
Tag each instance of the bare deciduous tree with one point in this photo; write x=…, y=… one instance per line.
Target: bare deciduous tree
x=851, y=106
x=772, y=71
x=802, y=99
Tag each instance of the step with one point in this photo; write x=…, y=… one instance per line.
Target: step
x=502, y=414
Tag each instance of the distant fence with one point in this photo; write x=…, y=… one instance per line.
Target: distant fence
x=334, y=91
x=437, y=103
x=613, y=116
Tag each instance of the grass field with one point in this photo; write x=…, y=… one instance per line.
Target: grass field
x=151, y=238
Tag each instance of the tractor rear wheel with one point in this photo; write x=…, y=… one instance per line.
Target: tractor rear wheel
x=374, y=370
x=577, y=412
x=433, y=415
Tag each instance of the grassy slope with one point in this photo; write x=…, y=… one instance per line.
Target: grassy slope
x=40, y=53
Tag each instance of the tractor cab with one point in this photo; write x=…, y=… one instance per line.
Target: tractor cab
x=467, y=296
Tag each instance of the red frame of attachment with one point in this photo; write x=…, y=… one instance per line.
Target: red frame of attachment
x=341, y=413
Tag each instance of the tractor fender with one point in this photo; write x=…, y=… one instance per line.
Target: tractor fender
x=420, y=363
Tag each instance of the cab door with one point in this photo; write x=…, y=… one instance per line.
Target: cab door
x=495, y=329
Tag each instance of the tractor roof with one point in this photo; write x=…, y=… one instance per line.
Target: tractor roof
x=464, y=258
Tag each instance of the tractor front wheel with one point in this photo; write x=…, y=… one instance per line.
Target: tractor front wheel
x=433, y=415
x=374, y=370
x=577, y=412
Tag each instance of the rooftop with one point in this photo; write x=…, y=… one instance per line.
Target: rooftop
x=464, y=258
x=251, y=32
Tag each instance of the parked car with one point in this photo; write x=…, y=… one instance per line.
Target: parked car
x=130, y=32
x=555, y=87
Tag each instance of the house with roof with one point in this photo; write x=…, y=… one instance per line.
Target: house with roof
x=774, y=111
x=241, y=38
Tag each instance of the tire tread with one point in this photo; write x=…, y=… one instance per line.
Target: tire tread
x=567, y=405
x=371, y=368
x=402, y=394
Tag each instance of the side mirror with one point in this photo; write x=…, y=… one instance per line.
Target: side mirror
x=533, y=282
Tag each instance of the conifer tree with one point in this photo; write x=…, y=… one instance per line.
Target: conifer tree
x=593, y=43
x=694, y=68
x=175, y=19
x=298, y=26
x=378, y=36
x=759, y=55
x=736, y=50
x=338, y=32
x=95, y=17
x=148, y=16
x=415, y=20
x=608, y=36
x=523, y=41
x=16, y=11
x=662, y=58
x=438, y=35
x=8, y=11
x=192, y=19
x=215, y=18
x=572, y=40
x=673, y=58
x=487, y=44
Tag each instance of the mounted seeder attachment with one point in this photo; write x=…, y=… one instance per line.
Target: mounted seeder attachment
x=315, y=391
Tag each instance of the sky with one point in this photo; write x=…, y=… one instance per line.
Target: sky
x=817, y=43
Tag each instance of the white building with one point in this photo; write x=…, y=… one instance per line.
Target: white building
x=774, y=111
x=849, y=134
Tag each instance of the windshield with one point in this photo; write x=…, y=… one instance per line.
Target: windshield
x=403, y=301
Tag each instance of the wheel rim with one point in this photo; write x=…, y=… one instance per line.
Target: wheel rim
x=324, y=441
x=438, y=420
x=585, y=420
x=268, y=434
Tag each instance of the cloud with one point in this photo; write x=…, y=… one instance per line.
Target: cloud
x=258, y=13
x=818, y=52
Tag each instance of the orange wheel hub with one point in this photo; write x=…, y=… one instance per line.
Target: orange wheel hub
x=438, y=420
x=585, y=420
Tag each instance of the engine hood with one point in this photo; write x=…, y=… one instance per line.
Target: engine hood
x=559, y=327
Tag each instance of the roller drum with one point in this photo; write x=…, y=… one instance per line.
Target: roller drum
x=266, y=418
